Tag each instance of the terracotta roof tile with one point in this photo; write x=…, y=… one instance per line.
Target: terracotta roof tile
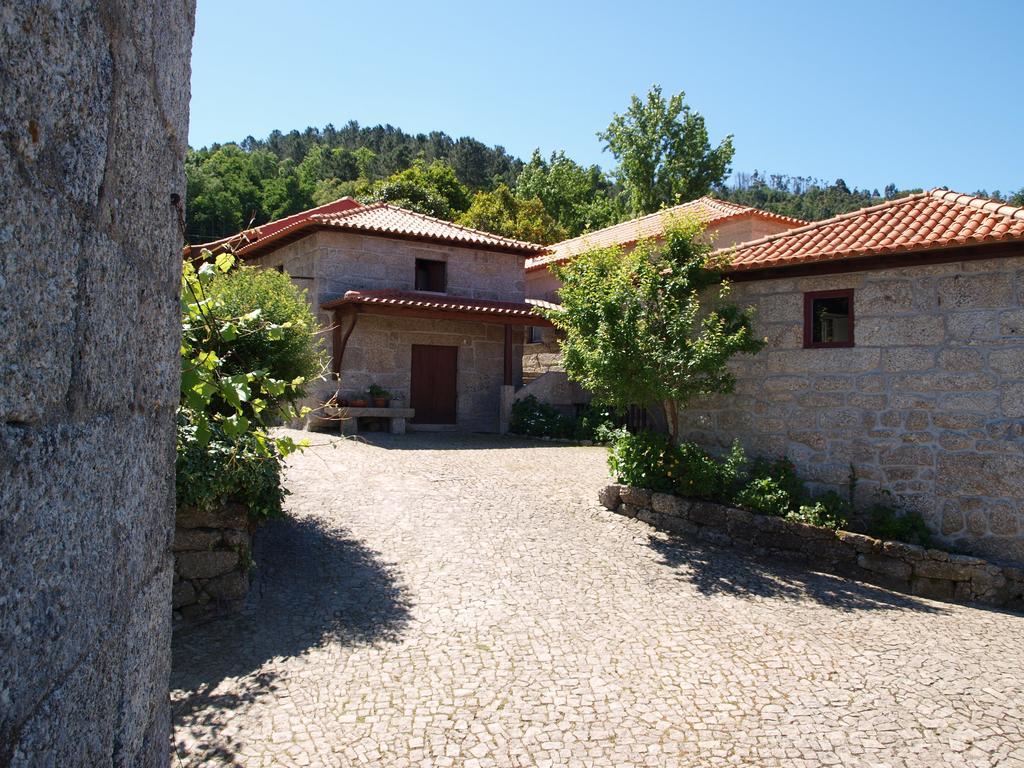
x=921, y=222
x=254, y=234
x=378, y=218
x=709, y=210
x=433, y=301
x=384, y=219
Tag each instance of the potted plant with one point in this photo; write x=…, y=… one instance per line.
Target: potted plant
x=379, y=396
x=358, y=401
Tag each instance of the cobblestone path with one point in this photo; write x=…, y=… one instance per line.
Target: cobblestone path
x=443, y=600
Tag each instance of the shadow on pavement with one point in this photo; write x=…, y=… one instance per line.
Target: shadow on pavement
x=311, y=586
x=715, y=571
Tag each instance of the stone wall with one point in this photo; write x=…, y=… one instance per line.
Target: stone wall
x=931, y=573
x=928, y=406
x=380, y=351
x=330, y=263
x=93, y=130
x=212, y=557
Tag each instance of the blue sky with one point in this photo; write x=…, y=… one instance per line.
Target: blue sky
x=922, y=93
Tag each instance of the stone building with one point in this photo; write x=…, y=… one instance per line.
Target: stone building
x=94, y=104
x=431, y=311
x=895, y=350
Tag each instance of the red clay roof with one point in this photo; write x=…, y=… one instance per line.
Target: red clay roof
x=926, y=221
x=245, y=237
x=709, y=210
x=433, y=301
x=375, y=219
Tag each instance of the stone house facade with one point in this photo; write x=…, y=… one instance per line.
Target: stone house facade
x=920, y=392
x=430, y=311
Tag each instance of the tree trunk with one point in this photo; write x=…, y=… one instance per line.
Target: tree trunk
x=671, y=419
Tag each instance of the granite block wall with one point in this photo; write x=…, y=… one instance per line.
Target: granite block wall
x=93, y=131
x=928, y=406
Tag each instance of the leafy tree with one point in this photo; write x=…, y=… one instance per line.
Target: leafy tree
x=651, y=327
x=502, y=213
x=802, y=197
x=432, y=189
x=663, y=152
x=285, y=193
x=580, y=199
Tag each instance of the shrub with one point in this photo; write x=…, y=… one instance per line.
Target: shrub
x=288, y=345
x=596, y=422
x=828, y=511
x=765, y=495
x=207, y=476
x=646, y=460
x=235, y=360
x=536, y=419
x=908, y=526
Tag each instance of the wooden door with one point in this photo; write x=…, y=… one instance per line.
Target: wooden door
x=433, y=386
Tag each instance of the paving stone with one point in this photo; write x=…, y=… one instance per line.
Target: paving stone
x=453, y=600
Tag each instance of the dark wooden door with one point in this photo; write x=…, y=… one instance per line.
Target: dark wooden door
x=433, y=385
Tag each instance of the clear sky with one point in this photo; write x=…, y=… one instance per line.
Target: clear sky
x=923, y=93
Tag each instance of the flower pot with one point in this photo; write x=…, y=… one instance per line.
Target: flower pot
x=380, y=402
x=358, y=403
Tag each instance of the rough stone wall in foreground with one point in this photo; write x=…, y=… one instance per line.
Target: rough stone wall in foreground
x=929, y=404
x=93, y=129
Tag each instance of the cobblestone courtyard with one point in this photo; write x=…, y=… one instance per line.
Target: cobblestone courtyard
x=442, y=600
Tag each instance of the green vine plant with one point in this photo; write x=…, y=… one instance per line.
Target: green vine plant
x=230, y=395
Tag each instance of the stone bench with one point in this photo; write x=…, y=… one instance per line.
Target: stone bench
x=348, y=418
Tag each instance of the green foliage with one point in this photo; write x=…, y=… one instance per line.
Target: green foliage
x=651, y=327
x=432, y=189
x=765, y=495
x=829, y=511
x=221, y=469
x=284, y=340
x=650, y=460
x=376, y=390
x=663, y=151
x=908, y=526
x=502, y=213
x=536, y=419
x=232, y=357
x=645, y=460
x=802, y=197
x=579, y=199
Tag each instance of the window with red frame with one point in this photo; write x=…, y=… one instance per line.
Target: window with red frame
x=828, y=319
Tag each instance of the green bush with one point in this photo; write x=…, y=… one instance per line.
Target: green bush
x=765, y=495
x=908, y=526
x=646, y=460
x=596, y=422
x=290, y=347
x=248, y=348
x=649, y=460
x=207, y=476
x=536, y=419
x=828, y=511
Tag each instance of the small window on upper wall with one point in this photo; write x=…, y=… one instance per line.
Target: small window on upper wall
x=828, y=319
x=430, y=275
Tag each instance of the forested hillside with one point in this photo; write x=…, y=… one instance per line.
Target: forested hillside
x=661, y=148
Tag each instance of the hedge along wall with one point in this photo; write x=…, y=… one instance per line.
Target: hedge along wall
x=929, y=404
x=902, y=567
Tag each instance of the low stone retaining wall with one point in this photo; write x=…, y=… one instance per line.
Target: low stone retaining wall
x=212, y=555
x=908, y=568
